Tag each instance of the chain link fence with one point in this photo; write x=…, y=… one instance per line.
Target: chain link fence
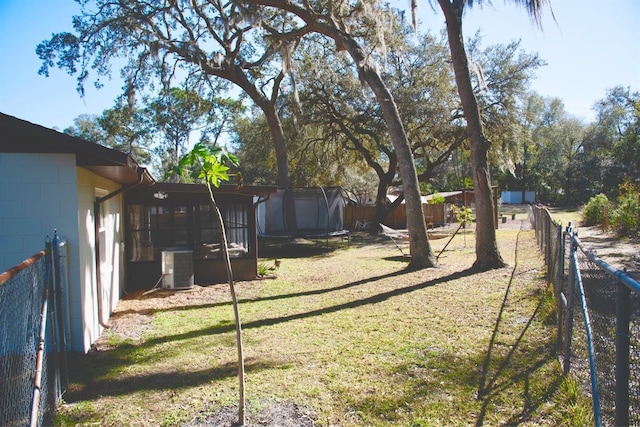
x=33, y=337
x=598, y=321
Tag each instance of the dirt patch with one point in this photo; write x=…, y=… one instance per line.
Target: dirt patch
x=132, y=316
x=620, y=253
x=269, y=414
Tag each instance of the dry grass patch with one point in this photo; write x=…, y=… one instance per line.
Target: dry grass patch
x=345, y=337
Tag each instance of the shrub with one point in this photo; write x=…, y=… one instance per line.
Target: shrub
x=436, y=198
x=596, y=210
x=264, y=269
x=463, y=215
x=624, y=217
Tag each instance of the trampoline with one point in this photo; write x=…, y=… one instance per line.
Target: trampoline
x=310, y=213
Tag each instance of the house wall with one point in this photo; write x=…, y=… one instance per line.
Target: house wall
x=37, y=195
x=43, y=192
x=85, y=301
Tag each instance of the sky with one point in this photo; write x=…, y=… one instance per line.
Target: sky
x=590, y=47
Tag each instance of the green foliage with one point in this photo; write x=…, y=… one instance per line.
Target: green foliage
x=467, y=183
x=436, y=198
x=212, y=160
x=624, y=217
x=575, y=405
x=464, y=214
x=610, y=149
x=426, y=188
x=121, y=127
x=264, y=269
x=596, y=210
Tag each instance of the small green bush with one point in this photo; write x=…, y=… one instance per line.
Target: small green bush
x=596, y=210
x=436, y=198
x=624, y=217
x=264, y=269
x=463, y=214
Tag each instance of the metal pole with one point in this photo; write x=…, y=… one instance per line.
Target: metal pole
x=557, y=286
x=547, y=244
x=60, y=319
x=37, y=380
x=568, y=319
x=623, y=316
x=592, y=353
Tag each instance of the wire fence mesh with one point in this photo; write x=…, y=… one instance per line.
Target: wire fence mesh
x=607, y=321
x=29, y=321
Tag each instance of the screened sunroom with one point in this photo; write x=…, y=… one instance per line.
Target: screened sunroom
x=179, y=218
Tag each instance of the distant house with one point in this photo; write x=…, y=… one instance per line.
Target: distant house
x=102, y=203
x=515, y=197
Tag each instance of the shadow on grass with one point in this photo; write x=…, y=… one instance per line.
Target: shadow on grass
x=273, y=297
x=427, y=381
x=88, y=382
x=374, y=299
x=430, y=384
x=300, y=247
x=89, y=369
x=509, y=371
x=398, y=258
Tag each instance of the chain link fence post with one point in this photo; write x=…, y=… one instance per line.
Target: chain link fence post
x=623, y=317
x=568, y=317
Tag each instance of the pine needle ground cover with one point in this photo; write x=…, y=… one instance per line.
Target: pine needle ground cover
x=343, y=337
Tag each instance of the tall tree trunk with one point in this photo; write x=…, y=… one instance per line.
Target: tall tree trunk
x=422, y=255
x=385, y=179
x=277, y=135
x=236, y=75
x=487, y=253
x=381, y=204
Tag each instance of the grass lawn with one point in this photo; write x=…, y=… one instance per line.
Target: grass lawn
x=561, y=215
x=347, y=336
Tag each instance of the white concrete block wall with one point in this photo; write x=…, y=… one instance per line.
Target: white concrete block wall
x=37, y=195
x=43, y=192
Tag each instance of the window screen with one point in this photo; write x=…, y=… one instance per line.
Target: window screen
x=154, y=228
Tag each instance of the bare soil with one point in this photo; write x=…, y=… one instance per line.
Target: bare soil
x=620, y=253
x=270, y=414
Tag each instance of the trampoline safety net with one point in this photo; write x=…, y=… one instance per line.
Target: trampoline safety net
x=301, y=212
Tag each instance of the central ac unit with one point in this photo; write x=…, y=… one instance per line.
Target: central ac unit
x=177, y=269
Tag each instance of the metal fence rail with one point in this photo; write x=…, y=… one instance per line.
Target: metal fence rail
x=33, y=337
x=598, y=321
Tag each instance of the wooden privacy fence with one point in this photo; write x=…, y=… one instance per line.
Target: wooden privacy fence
x=433, y=213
